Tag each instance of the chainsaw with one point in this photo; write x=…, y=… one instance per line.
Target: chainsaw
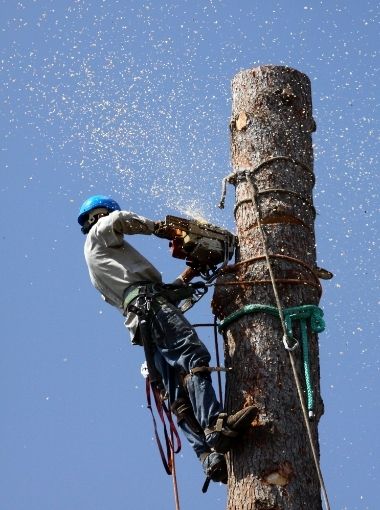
x=205, y=247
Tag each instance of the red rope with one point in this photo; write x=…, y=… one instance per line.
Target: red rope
x=172, y=442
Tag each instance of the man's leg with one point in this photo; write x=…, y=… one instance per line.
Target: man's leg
x=214, y=464
x=181, y=348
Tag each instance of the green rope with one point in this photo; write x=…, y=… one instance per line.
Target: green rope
x=301, y=313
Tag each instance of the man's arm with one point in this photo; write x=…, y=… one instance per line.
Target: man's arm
x=111, y=229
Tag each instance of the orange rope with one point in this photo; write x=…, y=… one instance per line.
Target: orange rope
x=290, y=281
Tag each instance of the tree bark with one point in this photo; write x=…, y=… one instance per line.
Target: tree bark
x=272, y=467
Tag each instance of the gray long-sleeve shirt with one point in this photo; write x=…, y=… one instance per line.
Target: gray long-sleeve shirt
x=113, y=263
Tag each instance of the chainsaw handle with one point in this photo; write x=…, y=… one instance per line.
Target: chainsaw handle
x=188, y=274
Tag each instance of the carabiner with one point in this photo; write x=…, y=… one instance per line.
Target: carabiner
x=285, y=339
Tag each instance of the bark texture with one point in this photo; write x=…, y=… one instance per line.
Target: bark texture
x=272, y=467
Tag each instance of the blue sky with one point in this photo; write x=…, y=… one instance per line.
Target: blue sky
x=132, y=98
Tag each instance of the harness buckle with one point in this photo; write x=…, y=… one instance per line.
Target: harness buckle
x=134, y=309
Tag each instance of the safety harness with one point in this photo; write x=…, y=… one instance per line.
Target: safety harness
x=144, y=299
x=141, y=299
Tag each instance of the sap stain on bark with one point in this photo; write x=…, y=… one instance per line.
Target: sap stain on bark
x=280, y=475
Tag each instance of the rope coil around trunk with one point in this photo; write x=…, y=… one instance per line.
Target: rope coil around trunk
x=300, y=313
x=291, y=281
x=305, y=201
x=231, y=178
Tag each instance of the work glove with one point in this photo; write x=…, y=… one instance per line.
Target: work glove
x=159, y=229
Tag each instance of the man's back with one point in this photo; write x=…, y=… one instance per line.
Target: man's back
x=113, y=263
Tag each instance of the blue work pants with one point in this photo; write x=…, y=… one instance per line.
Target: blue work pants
x=178, y=350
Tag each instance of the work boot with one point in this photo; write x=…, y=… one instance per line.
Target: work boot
x=222, y=435
x=215, y=466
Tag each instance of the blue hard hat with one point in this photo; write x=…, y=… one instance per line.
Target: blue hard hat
x=93, y=203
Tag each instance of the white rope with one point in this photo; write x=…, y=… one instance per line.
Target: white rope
x=174, y=477
x=285, y=333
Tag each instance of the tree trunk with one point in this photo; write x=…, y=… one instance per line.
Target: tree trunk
x=272, y=468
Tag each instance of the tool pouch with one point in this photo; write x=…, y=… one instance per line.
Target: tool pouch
x=172, y=293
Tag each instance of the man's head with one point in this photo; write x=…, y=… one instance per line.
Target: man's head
x=94, y=208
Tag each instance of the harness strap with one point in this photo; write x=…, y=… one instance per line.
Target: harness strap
x=130, y=297
x=132, y=292
x=149, y=350
x=197, y=370
x=154, y=381
x=172, y=443
x=221, y=427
